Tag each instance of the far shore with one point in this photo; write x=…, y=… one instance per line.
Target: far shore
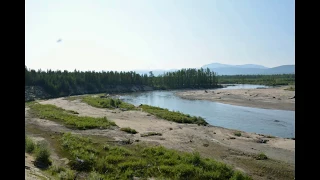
x=268, y=98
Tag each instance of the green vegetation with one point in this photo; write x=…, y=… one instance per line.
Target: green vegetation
x=291, y=88
x=178, y=117
x=173, y=116
x=51, y=112
x=128, y=130
x=62, y=172
x=261, y=156
x=237, y=134
x=103, y=161
x=151, y=134
x=64, y=83
x=269, y=136
x=39, y=150
x=107, y=103
x=29, y=145
x=268, y=80
x=42, y=155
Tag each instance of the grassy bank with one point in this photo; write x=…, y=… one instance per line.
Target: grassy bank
x=173, y=116
x=115, y=162
x=109, y=103
x=69, y=118
x=102, y=102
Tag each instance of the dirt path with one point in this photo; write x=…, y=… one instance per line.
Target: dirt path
x=210, y=141
x=270, y=98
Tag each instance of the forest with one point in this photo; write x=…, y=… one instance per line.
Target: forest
x=61, y=83
x=58, y=83
x=268, y=80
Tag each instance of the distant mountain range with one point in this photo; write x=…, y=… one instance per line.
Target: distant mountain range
x=227, y=69
x=249, y=69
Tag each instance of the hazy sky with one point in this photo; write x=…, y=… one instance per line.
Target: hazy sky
x=157, y=34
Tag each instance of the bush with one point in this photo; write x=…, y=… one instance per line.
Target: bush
x=68, y=174
x=261, y=156
x=237, y=134
x=128, y=130
x=150, y=134
x=29, y=145
x=95, y=176
x=42, y=155
x=55, y=169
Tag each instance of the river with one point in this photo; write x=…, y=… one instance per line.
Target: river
x=255, y=120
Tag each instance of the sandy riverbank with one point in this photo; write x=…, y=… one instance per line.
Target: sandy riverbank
x=269, y=98
x=214, y=142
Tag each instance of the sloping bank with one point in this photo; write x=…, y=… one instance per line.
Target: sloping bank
x=37, y=92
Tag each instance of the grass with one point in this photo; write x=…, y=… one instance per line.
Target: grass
x=269, y=136
x=29, y=103
x=150, y=134
x=173, y=116
x=128, y=130
x=97, y=101
x=103, y=161
x=261, y=156
x=51, y=112
x=109, y=103
x=237, y=134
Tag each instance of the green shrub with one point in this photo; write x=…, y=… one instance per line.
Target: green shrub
x=237, y=134
x=42, y=155
x=150, y=134
x=95, y=176
x=55, y=169
x=261, y=156
x=109, y=103
x=68, y=174
x=128, y=130
x=173, y=116
x=29, y=145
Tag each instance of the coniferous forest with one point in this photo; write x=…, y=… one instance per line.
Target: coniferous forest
x=62, y=83
x=58, y=83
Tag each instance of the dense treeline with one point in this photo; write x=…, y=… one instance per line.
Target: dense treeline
x=269, y=80
x=58, y=83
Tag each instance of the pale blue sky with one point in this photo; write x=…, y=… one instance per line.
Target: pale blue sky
x=157, y=34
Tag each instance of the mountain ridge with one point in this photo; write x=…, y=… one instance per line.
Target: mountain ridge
x=227, y=69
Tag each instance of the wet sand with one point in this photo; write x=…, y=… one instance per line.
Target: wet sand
x=269, y=98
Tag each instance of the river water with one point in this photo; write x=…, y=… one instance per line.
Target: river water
x=263, y=121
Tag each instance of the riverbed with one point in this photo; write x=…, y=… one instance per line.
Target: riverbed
x=273, y=122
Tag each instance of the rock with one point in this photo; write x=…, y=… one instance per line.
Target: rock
x=205, y=145
x=262, y=140
x=293, y=97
